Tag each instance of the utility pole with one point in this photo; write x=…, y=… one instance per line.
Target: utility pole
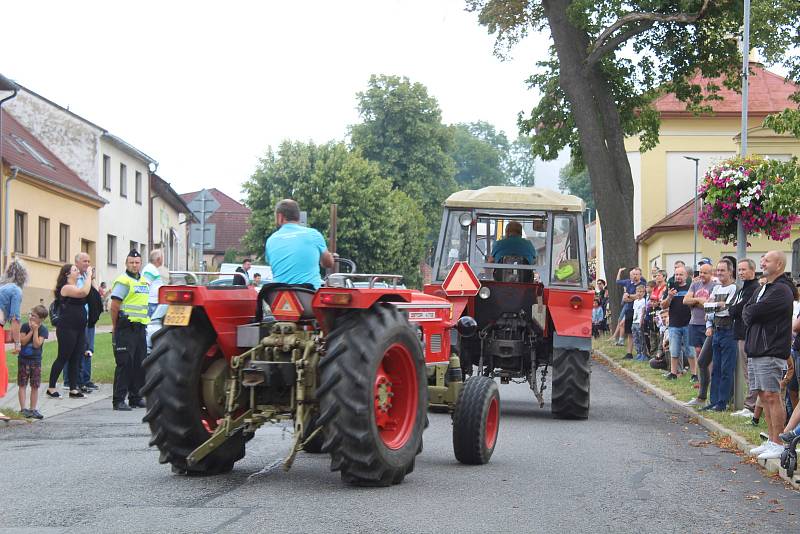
x=696, y=179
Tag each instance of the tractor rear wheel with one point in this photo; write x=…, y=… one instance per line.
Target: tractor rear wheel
x=476, y=421
x=571, y=373
x=178, y=418
x=373, y=396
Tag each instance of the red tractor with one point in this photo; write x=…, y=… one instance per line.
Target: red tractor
x=533, y=309
x=349, y=365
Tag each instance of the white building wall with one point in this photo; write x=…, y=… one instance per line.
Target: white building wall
x=122, y=217
x=169, y=233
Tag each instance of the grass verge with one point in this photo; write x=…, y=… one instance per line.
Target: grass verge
x=102, y=361
x=682, y=389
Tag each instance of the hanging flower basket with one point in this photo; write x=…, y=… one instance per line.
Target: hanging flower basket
x=762, y=194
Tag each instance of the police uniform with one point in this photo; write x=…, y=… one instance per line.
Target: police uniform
x=130, y=336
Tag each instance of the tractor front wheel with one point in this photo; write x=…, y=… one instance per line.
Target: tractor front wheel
x=476, y=421
x=178, y=417
x=571, y=373
x=373, y=396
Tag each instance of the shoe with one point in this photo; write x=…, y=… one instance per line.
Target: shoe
x=694, y=402
x=773, y=451
x=694, y=379
x=629, y=356
x=53, y=395
x=787, y=437
x=764, y=436
x=619, y=343
x=754, y=421
x=92, y=385
x=671, y=376
x=709, y=407
x=761, y=448
x=744, y=412
x=36, y=414
x=139, y=403
x=25, y=412
x=86, y=389
x=122, y=407
x=76, y=395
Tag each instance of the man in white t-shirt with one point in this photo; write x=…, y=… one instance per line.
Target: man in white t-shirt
x=152, y=275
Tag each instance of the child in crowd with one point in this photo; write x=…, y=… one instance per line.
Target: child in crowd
x=639, y=309
x=29, y=371
x=598, y=315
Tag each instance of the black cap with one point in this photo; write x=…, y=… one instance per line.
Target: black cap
x=134, y=254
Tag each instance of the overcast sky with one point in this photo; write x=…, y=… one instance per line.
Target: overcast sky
x=205, y=87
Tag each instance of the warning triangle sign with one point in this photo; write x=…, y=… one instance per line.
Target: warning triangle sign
x=461, y=281
x=286, y=307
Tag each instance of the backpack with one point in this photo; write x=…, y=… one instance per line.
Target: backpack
x=55, y=312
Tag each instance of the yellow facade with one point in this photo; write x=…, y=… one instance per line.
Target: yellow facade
x=694, y=135
x=57, y=206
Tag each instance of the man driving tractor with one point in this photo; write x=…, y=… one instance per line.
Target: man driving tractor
x=513, y=245
x=296, y=252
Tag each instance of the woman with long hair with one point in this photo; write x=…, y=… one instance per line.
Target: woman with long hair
x=71, y=328
x=11, y=284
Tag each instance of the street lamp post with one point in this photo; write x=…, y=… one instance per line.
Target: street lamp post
x=696, y=178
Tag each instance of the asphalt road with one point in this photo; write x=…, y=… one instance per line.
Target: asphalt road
x=629, y=468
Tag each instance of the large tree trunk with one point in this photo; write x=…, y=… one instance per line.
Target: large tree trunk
x=602, y=141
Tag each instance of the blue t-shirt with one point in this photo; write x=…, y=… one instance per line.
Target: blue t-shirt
x=10, y=301
x=294, y=252
x=514, y=246
x=630, y=288
x=28, y=353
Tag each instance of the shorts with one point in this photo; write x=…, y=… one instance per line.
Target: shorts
x=697, y=335
x=629, y=322
x=679, y=342
x=29, y=372
x=765, y=373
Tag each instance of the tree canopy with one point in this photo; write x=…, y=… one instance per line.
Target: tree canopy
x=574, y=180
x=380, y=228
x=402, y=132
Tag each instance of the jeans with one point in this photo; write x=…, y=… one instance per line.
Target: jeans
x=703, y=361
x=679, y=342
x=71, y=343
x=724, y=366
x=638, y=339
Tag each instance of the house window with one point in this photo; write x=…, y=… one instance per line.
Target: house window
x=44, y=236
x=112, y=250
x=63, y=242
x=20, y=231
x=106, y=172
x=123, y=180
x=138, y=187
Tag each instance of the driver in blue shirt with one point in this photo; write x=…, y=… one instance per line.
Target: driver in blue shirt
x=513, y=245
x=296, y=252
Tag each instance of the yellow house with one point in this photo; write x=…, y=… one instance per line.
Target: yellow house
x=664, y=177
x=51, y=213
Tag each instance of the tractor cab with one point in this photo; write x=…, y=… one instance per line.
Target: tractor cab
x=532, y=306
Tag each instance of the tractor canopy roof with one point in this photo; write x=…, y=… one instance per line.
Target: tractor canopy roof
x=505, y=197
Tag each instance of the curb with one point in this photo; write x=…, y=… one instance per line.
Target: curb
x=771, y=466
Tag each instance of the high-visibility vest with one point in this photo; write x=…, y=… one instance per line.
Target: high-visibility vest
x=135, y=302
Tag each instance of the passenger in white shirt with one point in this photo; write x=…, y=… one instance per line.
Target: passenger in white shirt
x=152, y=274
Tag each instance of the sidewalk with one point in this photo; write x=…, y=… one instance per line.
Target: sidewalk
x=52, y=407
x=771, y=466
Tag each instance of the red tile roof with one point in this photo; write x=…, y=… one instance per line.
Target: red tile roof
x=768, y=93
x=680, y=219
x=19, y=147
x=232, y=220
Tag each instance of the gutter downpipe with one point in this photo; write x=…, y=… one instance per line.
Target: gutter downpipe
x=5, y=205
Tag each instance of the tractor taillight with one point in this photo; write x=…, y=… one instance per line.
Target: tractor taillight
x=336, y=299
x=178, y=297
x=576, y=302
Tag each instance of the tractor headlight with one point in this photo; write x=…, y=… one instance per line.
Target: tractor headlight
x=484, y=293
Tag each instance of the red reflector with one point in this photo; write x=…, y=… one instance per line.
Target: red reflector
x=178, y=296
x=336, y=299
x=576, y=302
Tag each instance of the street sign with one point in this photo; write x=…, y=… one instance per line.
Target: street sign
x=461, y=281
x=210, y=231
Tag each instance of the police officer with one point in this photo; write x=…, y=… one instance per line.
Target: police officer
x=129, y=297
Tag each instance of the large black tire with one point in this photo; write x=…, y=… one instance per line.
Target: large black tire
x=175, y=409
x=476, y=421
x=370, y=354
x=571, y=373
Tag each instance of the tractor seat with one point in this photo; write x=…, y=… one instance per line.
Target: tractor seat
x=304, y=293
x=513, y=275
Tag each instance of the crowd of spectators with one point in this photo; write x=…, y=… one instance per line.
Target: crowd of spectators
x=698, y=324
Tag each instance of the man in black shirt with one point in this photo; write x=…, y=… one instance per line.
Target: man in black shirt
x=679, y=315
x=746, y=270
